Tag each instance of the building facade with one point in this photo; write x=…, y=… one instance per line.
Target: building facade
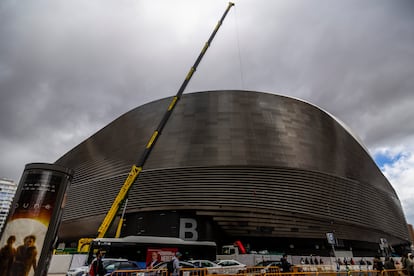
x=275, y=172
x=7, y=191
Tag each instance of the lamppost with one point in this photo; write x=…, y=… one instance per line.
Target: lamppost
x=384, y=247
x=332, y=241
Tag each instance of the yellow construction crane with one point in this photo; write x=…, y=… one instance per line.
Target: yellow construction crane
x=121, y=198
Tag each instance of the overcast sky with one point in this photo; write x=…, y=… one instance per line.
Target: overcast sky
x=68, y=68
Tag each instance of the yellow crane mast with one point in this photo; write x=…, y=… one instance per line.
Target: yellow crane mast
x=83, y=244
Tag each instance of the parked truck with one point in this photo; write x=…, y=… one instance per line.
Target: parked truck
x=238, y=252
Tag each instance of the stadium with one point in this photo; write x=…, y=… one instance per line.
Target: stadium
x=274, y=172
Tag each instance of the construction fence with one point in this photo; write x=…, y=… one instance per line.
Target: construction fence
x=263, y=271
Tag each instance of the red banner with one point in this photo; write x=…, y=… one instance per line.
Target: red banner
x=156, y=255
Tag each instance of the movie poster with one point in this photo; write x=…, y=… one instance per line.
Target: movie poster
x=32, y=223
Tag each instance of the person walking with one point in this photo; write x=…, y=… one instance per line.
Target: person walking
x=377, y=264
x=97, y=268
x=176, y=264
x=285, y=265
x=390, y=265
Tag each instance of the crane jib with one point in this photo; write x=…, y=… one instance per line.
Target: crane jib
x=136, y=169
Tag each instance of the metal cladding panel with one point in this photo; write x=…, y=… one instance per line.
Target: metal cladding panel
x=239, y=150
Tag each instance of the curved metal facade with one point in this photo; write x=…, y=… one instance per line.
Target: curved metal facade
x=256, y=164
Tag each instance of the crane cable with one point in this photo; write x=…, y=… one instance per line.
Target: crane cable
x=236, y=23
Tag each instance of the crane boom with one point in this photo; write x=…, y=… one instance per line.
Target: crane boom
x=137, y=168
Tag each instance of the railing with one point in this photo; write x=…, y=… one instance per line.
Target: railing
x=259, y=271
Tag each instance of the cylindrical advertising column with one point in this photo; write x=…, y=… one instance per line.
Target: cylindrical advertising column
x=33, y=221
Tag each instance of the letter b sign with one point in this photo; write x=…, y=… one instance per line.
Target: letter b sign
x=188, y=229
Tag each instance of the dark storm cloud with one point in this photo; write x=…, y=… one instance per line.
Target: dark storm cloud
x=68, y=68
x=64, y=66
x=352, y=58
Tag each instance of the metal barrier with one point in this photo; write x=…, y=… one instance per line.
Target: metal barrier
x=260, y=271
x=161, y=272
